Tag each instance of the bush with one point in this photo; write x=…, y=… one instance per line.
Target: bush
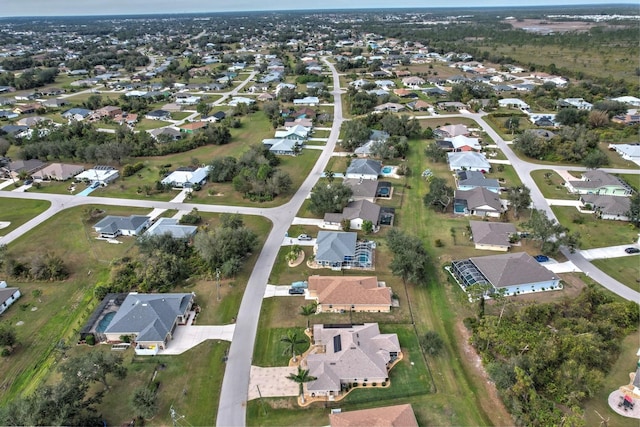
x=6, y=352
x=432, y=343
x=578, y=219
x=439, y=243
x=90, y=340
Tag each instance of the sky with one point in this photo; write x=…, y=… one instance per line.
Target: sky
x=129, y=7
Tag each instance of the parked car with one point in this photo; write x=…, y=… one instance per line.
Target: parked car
x=28, y=182
x=296, y=291
x=632, y=250
x=541, y=258
x=305, y=237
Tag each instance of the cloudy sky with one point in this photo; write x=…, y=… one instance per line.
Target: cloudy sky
x=127, y=7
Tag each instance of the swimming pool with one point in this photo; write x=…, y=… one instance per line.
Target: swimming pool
x=86, y=191
x=384, y=191
x=104, y=322
x=387, y=169
x=364, y=259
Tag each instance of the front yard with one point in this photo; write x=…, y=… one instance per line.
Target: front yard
x=594, y=232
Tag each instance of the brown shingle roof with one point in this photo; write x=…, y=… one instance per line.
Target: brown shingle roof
x=386, y=416
x=357, y=290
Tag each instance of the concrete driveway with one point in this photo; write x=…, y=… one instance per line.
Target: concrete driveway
x=272, y=382
x=188, y=336
x=278, y=291
x=608, y=252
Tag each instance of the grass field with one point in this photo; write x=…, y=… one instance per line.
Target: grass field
x=632, y=180
x=594, y=232
x=552, y=187
x=624, y=269
x=18, y=211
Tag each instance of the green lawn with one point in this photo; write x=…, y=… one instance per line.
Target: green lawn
x=506, y=174
x=624, y=269
x=632, y=179
x=594, y=232
x=180, y=115
x=553, y=186
x=19, y=211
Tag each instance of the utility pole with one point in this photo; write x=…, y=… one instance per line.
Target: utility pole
x=218, y=284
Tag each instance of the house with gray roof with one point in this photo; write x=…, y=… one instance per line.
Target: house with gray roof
x=477, y=202
x=149, y=319
x=338, y=250
x=468, y=180
x=172, y=227
x=492, y=236
x=186, y=177
x=364, y=169
x=7, y=296
x=614, y=208
x=375, y=137
x=283, y=146
x=58, y=172
x=627, y=151
x=166, y=133
x=349, y=354
x=362, y=189
x=113, y=226
x=356, y=212
x=468, y=160
x=514, y=273
x=596, y=181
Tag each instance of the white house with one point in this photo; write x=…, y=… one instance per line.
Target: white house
x=7, y=296
x=100, y=174
x=186, y=177
x=513, y=103
x=364, y=169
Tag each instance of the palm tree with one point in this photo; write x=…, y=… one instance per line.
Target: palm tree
x=330, y=175
x=291, y=340
x=293, y=253
x=308, y=310
x=301, y=377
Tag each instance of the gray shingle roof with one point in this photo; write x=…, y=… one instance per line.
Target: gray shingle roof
x=150, y=316
x=115, y=223
x=362, y=188
x=476, y=179
x=609, y=205
x=492, y=233
x=171, y=226
x=512, y=269
x=479, y=196
x=334, y=246
x=359, y=209
x=364, y=167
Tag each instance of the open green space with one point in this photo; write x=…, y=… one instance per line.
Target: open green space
x=180, y=115
x=18, y=211
x=594, y=232
x=632, y=179
x=506, y=174
x=624, y=269
x=552, y=185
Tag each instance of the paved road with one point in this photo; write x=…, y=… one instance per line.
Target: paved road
x=235, y=385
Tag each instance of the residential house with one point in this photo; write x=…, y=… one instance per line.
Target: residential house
x=149, y=319
x=77, y=114
x=166, y=133
x=282, y=146
x=435, y=91
x=27, y=166
x=26, y=109
x=451, y=105
x=307, y=124
x=468, y=180
x=16, y=131
x=6, y=114
x=349, y=354
x=108, y=111
x=596, y=181
x=413, y=82
x=356, y=212
x=101, y=174
x=627, y=151
x=477, y=202
x=608, y=207
x=186, y=177
x=375, y=137
x=464, y=143
x=468, y=160
x=450, y=131
x=364, y=169
x=158, y=115
x=359, y=83
x=172, y=227
x=240, y=100
x=32, y=121
x=339, y=250
x=385, y=84
x=492, y=236
x=578, y=103
x=626, y=119
x=55, y=103
x=265, y=97
x=513, y=103
x=514, y=273
x=349, y=293
x=113, y=226
x=389, y=106
x=419, y=105
x=630, y=100
x=362, y=189
x=58, y=172
x=307, y=100
x=193, y=127
x=7, y=296
x=387, y=416
x=297, y=132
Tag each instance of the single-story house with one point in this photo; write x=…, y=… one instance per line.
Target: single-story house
x=468, y=180
x=296, y=132
x=288, y=147
x=387, y=416
x=414, y=82
x=77, y=114
x=349, y=354
x=468, y=160
x=339, y=250
x=58, y=172
x=186, y=177
x=349, y=293
x=516, y=273
x=28, y=166
x=464, y=143
x=596, y=181
x=492, y=236
x=108, y=111
x=172, y=227
x=168, y=133
x=158, y=115
x=364, y=169
x=478, y=202
x=608, y=207
x=375, y=137
x=7, y=296
x=627, y=151
x=149, y=319
x=193, y=127
x=240, y=100
x=307, y=100
x=113, y=226
x=55, y=103
x=101, y=173
x=578, y=103
x=513, y=103
x=389, y=106
x=356, y=213
x=450, y=131
x=17, y=131
x=363, y=189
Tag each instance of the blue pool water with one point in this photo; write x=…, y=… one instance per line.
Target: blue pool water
x=104, y=322
x=86, y=191
x=387, y=169
x=364, y=259
x=384, y=191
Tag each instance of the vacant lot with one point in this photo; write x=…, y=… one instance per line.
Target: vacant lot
x=594, y=232
x=18, y=211
x=624, y=269
x=552, y=185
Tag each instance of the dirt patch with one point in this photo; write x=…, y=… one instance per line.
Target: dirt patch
x=493, y=406
x=545, y=26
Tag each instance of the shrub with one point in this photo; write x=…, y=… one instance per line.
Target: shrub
x=6, y=352
x=90, y=340
x=439, y=243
